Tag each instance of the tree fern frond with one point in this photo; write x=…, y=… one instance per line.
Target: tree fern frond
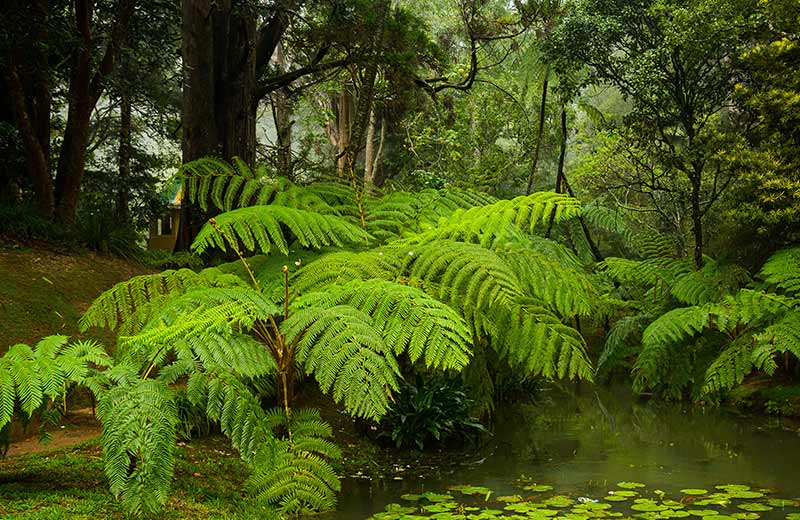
x=139, y=429
x=294, y=473
x=494, y=222
x=122, y=302
x=780, y=337
x=262, y=227
x=656, y=271
x=534, y=340
x=783, y=270
x=409, y=320
x=342, y=267
x=710, y=284
x=346, y=353
x=730, y=367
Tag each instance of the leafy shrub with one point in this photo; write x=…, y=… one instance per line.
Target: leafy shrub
x=22, y=222
x=430, y=412
x=160, y=259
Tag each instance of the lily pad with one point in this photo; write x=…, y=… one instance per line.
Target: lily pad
x=733, y=487
x=411, y=497
x=702, y=512
x=559, y=501
x=616, y=498
x=692, y=491
x=440, y=507
x=435, y=497
x=783, y=502
x=674, y=513
x=509, y=498
x=538, y=488
x=746, y=516
x=624, y=493
x=755, y=506
x=793, y=516
x=746, y=494
x=648, y=507
x=630, y=485
x=718, y=517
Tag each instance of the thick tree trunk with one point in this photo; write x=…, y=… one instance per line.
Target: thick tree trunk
x=219, y=90
x=27, y=78
x=539, y=132
x=35, y=159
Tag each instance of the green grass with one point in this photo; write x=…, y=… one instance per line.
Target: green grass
x=69, y=483
x=45, y=291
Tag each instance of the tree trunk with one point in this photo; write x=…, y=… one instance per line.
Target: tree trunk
x=697, y=215
x=369, y=151
x=376, y=162
x=219, y=98
x=282, y=115
x=35, y=159
x=560, y=173
x=539, y=132
x=343, y=132
x=124, y=156
x=85, y=88
x=27, y=78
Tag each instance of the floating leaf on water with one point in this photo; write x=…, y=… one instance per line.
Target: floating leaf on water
x=616, y=498
x=702, y=512
x=718, y=517
x=559, y=501
x=411, y=497
x=538, y=488
x=793, y=516
x=440, y=507
x=575, y=516
x=733, y=487
x=625, y=493
x=673, y=513
x=630, y=485
x=648, y=507
x=712, y=502
x=746, y=494
x=673, y=504
x=783, y=502
x=754, y=507
x=509, y=498
x=746, y=516
x=473, y=490
x=435, y=497
x=692, y=491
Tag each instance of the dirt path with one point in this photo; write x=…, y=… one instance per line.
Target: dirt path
x=79, y=425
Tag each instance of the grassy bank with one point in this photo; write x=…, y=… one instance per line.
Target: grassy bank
x=44, y=290
x=69, y=483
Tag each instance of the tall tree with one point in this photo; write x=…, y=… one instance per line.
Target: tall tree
x=671, y=60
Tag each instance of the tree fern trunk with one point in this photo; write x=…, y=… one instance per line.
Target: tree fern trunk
x=540, y=131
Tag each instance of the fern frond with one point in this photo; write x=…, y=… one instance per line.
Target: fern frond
x=534, y=340
x=139, y=429
x=342, y=267
x=346, y=353
x=295, y=474
x=261, y=227
x=32, y=376
x=652, y=272
x=408, y=319
x=783, y=270
x=123, y=302
x=709, y=284
x=495, y=222
x=780, y=337
x=730, y=367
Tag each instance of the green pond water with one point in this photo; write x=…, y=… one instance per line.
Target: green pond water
x=556, y=458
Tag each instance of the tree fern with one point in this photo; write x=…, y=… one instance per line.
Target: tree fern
x=260, y=228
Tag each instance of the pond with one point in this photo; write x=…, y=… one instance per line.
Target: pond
x=584, y=446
